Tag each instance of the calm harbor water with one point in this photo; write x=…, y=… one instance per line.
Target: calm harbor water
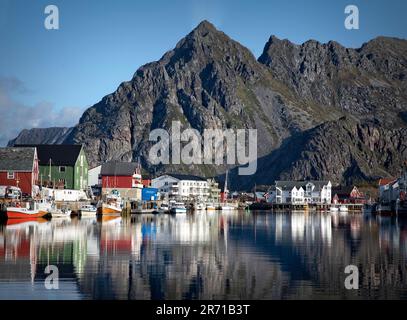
x=206, y=256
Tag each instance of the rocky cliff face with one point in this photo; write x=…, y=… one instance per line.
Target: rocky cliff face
x=56, y=135
x=343, y=151
x=207, y=81
x=369, y=83
x=321, y=110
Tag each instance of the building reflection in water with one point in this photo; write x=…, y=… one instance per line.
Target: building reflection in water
x=205, y=256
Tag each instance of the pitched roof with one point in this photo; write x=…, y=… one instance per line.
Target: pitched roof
x=186, y=177
x=289, y=185
x=343, y=190
x=17, y=159
x=115, y=168
x=385, y=181
x=58, y=154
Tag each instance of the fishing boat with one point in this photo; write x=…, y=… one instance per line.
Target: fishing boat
x=18, y=212
x=178, y=207
x=88, y=210
x=112, y=204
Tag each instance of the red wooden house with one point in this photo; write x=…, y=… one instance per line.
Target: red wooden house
x=348, y=195
x=120, y=175
x=19, y=168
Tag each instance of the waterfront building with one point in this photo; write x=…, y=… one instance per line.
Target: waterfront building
x=301, y=192
x=94, y=178
x=19, y=168
x=386, y=189
x=66, y=195
x=393, y=190
x=348, y=195
x=149, y=194
x=62, y=166
x=213, y=191
x=146, y=180
x=182, y=187
x=124, y=177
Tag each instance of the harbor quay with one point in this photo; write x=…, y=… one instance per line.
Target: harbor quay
x=36, y=181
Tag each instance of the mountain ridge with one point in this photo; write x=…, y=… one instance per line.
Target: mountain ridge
x=211, y=81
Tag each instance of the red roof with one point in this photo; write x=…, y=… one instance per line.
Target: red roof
x=385, y=181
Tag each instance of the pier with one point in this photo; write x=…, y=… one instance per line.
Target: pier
x=304, y=207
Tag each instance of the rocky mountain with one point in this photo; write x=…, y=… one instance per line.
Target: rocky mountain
x=207, y=81
x=368, y=83
x=56, y=135
x=321, y=110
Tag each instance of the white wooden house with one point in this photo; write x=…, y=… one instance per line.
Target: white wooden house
x=301, y=192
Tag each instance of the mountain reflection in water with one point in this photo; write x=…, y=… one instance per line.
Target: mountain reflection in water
x=205, y=256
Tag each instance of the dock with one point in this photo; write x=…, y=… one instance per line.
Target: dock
x=303, y=207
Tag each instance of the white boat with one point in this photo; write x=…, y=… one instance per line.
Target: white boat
x=334, y=209
x=343, y=209
x=88, y=210
x=199, y=207
x=60, y=213
x=164, y=208
x=178, y=207
x=210, y=207
x=227, y=208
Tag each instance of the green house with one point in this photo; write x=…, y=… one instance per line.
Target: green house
x=62, y=166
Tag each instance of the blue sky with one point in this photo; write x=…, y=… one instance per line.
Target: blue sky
x=50, y=77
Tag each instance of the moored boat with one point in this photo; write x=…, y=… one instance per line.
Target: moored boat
x=210, y=207
x=178, y=207
x=60, y=213
x=24, y=213
x=88, y=210
x=111, y=206
x=343, y=209
x=199, y=207
x=227, y=208
x=164, y=208
x=334, y=209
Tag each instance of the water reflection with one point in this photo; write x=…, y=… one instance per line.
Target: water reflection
x=205, y=256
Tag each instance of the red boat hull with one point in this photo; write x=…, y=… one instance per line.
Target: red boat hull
x=21, y=215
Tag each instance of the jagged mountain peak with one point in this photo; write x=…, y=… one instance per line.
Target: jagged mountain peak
x=204, y=27
x=294, y=95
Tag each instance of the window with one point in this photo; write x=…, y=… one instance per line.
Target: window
x=62, y=169
x=10, y=175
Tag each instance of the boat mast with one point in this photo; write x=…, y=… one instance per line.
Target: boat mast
x=226, y=191
x=49, y=173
